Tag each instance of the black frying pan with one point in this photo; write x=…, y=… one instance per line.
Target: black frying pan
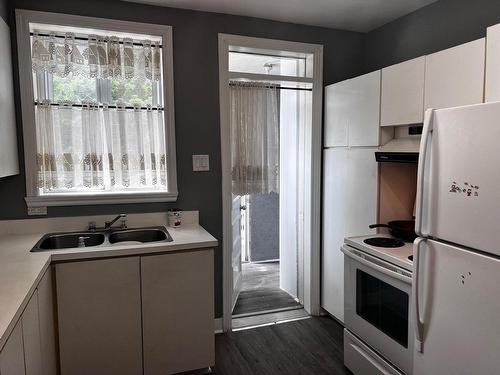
x=403, y=229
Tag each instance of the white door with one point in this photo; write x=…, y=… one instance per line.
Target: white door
x=402, y=100
x=458, y=308
x=352, y=112
x=455, y=76
x=290, y=116
x=236, y=253
x=458, y=196
x=349, y=206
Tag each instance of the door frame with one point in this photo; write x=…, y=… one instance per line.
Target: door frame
x=311, y=215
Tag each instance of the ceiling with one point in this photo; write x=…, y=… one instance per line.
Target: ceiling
x=353, y=15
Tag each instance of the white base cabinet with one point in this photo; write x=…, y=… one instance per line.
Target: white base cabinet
x=31, y=338
x=47, y=319
x=31, y=347
x=151, y=315
x=12, y=354
x=178, y=312
x=99, y=310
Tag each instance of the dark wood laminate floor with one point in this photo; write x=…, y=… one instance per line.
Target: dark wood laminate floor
x=305, y=347
x=260, y=290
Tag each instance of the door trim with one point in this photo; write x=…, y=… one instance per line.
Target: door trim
x=311, y=215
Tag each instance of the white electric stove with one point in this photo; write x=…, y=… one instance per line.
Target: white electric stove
x=377, y=304
x=390, y=249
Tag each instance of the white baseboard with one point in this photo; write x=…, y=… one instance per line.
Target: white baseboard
x=218, y=325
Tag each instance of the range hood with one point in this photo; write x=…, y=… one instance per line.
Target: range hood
x=403, y=148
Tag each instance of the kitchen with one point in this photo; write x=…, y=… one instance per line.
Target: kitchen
x=158, y=290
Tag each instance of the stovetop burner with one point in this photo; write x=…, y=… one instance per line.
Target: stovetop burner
x=383, y=242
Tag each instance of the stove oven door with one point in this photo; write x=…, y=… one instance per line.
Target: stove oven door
x=377, y=306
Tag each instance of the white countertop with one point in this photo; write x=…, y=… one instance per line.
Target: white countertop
x=21, y=270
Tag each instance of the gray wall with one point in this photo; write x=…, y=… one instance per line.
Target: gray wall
x=196, y=99
x=438, y=26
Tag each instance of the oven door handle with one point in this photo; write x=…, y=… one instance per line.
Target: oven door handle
x=377, y=267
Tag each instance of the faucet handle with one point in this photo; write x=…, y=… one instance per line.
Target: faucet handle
x=92, y=225
x=81, y=241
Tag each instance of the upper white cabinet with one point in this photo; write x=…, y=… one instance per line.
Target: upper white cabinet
x=492, y=86
x=8, y=141
x=455, y=76
x=352, y=112
x=402, y=99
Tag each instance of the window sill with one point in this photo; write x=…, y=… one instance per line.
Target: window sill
x=81, y=200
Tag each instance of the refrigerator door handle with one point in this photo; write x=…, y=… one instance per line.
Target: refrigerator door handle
x=428, y=126
x=419, y=325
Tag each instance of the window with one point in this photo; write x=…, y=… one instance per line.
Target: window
x=98, y=110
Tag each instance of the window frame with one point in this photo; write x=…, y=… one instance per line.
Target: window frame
x=23, y=19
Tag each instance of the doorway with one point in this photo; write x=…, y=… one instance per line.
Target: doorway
x=279, y=187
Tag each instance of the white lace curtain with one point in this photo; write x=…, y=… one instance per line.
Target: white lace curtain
x=254, y=137
x=95, y=56
x=100, y=149
x=92, y=146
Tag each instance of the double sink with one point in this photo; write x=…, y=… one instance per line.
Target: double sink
x=101, y=237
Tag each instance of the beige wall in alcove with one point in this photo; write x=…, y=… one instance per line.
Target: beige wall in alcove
x=397, y=191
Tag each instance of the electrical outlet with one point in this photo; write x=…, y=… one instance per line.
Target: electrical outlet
x=201, y=163
x=37, y=211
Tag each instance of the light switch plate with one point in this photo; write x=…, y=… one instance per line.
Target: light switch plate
x=201, y=163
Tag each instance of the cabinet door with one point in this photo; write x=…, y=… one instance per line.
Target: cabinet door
x=455, y=77
x=8, y=142
x=352, y=112
x=492, y=89
x=31, y=337
x=178, y=312
x=349, y=206
x=12, y=354
x=364, y=110
x=402, y=100
x=99, y=314
x=337, y=115
x=47, y=317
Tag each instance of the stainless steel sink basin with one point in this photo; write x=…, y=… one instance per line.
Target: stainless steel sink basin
x=78, y=240
x=139, y=235
x=67, y=241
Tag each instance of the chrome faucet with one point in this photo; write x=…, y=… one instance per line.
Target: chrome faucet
x=108, y=224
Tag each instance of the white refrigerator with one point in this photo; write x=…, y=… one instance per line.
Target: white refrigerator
x=456, y=278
